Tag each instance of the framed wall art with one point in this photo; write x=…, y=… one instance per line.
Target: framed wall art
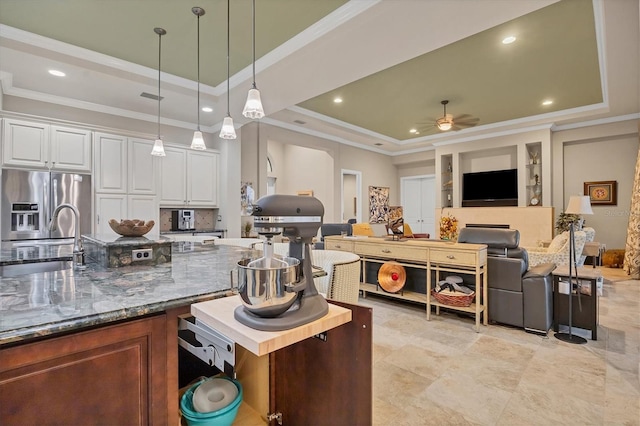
x=602, y=193
x=378, y=204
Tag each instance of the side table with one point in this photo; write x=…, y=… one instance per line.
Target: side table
x=585, y=299
x=594, y=250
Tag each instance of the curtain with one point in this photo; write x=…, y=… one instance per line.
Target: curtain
x=632, y=248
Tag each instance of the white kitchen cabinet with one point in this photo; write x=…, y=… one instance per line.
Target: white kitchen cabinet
x=111, y=163
x=144, y=207
x=202, y=178
x=109, y=206
x=118, y=207
x=70, y=149
x=173, y=177
x=126, y=180
x=143, y=167
x=125, y=165
x=42, y=146
x=189, y=178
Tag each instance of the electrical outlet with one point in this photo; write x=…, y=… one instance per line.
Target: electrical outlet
x=141, y=254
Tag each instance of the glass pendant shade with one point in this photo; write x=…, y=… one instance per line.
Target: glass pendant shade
x=228, y=131
x=158, y=148
x=444, y=124
x=253, y=107
x=197, y=142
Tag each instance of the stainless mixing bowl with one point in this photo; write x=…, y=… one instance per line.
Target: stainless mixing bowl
x=268, y=291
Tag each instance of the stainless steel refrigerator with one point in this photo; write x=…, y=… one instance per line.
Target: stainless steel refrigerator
x=30, y=197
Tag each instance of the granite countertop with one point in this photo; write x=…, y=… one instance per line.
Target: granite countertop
x=31, y=252
x=193, y=231
x=42, y=304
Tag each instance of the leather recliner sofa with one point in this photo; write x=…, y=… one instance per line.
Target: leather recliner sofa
x=518, y=296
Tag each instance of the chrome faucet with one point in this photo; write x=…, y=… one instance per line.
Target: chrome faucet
x=78, y=250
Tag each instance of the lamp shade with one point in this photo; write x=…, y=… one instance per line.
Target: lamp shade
x=197, y=142
x=228, y=131
x=253, y=107
x=158, y=148
x=579, y=204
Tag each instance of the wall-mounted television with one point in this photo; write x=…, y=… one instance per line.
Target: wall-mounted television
x=487, y=189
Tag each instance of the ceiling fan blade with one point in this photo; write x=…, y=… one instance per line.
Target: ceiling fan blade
x=460, y=126
x=462, y=117
x=428, y=129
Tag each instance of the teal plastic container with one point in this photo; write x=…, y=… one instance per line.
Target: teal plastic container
x=222, y=417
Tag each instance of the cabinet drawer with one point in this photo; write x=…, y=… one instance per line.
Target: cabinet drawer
x=453, y=257
x=389, y=251
x=342, y=245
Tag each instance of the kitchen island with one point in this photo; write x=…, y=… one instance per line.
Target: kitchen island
x=109, y=329
x=100, y=346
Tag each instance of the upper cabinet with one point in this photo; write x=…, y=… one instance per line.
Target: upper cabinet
x=125, y=165
x=111, y=163
x=189, y=178
x=43, y=146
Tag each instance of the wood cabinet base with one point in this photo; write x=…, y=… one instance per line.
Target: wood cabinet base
x=110, y=375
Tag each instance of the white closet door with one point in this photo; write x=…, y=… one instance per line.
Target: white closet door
x=418, y=204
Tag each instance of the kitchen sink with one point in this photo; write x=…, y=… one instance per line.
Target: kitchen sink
x=15, y=270
x=36, y=243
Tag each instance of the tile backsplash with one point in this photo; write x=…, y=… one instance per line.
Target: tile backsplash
x=205, y=219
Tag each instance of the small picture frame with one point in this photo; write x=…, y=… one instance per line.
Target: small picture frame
x=602, y=193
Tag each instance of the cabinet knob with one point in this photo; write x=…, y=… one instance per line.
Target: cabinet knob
x=386, y=251
x=450, y=256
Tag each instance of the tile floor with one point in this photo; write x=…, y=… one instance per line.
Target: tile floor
x=442, y=372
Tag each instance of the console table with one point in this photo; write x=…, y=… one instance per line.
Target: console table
x=430, y=255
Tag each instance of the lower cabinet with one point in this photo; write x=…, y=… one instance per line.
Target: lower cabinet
x=112, y=375
x=118, y=207
x=321, y=380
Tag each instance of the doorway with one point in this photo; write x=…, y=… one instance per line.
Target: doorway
x=351, y=195
x=419, y=203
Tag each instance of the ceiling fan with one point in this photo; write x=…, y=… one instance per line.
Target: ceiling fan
x=449, y=122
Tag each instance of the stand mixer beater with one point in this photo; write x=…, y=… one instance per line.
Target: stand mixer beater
x=278, y=293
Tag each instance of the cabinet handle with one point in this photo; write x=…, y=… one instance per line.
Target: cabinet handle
x=450, y=256
x=338, y=246
x=386, y=251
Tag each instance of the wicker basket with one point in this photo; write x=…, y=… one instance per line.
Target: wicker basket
x=447, y=297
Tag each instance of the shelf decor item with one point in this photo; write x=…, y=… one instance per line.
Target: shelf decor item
x=448, y=228
x=131, y=227
x=392, y=277
x=454, y=298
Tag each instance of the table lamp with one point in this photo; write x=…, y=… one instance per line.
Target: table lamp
x=578, y=205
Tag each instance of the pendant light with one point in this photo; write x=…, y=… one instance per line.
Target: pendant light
x=253, y=107
x=158, y=148
x=228, y=131
x=197, y=142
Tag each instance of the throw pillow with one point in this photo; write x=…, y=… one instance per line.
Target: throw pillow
x=558, y=242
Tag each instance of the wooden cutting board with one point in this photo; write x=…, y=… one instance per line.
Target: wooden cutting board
x=218, y=314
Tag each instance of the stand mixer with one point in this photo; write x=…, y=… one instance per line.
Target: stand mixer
x=279, y=293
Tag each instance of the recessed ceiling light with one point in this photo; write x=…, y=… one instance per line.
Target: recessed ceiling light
x=207, y=109
x=57, y=73
x=508, y=40
x=337, y=100
x=547, y=102
x=413, y=131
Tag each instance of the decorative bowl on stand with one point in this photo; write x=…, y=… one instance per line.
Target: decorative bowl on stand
x=131, y=227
